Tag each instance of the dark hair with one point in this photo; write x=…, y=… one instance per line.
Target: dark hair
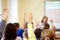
x=46, y=26
x=38, y=33
x=16, y=25
x=10, y=32
x=44, y=17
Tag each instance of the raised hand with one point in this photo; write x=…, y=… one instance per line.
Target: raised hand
x=31, y=34
x=30, y=17
x=37, y=24
x=51, y=21
x=24, y=22
x=5, y=14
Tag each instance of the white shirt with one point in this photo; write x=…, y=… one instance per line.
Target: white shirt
x=41, y=25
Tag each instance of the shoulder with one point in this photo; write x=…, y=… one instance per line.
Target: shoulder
x=20, y=29
x=3, y=21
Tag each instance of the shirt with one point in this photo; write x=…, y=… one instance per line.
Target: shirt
x=2, y=25
x=20, y=33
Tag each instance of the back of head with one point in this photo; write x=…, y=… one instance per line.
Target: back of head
x=16, y=25
x=10, y=32
x=47, y=33
x=46, y=26
x=25, y=34
x=38, y=33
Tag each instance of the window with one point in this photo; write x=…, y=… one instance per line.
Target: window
x=52, y=10
x=13, y=11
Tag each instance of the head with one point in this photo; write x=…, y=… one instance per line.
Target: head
x=38, y=33
x=45, y=19
x=10, y=32
x=47, y=35
x=47, y=26
x=24, y=26
x=16, y=25
x=25, y=35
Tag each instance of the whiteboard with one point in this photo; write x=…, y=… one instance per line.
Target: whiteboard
x=52, y=11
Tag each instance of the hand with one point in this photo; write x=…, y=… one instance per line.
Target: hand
x=37, y=24
x=24, y=22
x=30, y=17
x=51, y=21
x=5, y=14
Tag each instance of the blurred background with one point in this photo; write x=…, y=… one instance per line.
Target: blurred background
x=38, y=8
x=17, y=8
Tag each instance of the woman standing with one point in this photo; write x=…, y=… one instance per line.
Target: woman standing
x=43, y=22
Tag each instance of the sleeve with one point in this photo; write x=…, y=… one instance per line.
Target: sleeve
x=31, y=34
x=2, y=25
x=20, y=33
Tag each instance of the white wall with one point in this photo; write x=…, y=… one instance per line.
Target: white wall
x=13, y=11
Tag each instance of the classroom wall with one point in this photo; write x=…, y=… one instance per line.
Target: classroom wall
x=36, y=7
x=20, y=12
x=4, y=5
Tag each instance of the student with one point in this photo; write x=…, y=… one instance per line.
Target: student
x=17, y=26
x=3, y=21
x=23, y=28
x=43, y=22
x=47, y=33
x=10, y=32
x=47, y=26
x=38, y=33
x=31, y=35
x=25, y=35
x=19, y=30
